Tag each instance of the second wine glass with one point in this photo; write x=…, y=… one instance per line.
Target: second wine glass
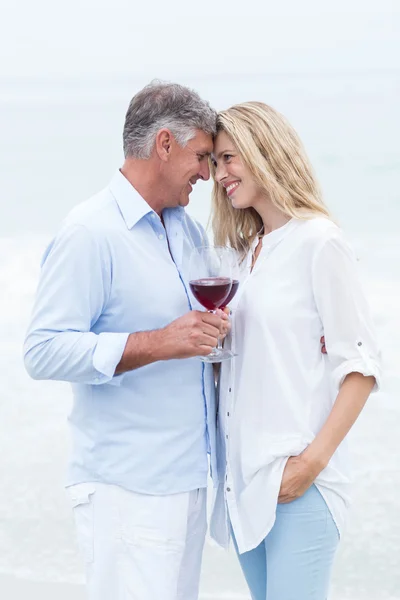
x=225, y=353
x=210, y=272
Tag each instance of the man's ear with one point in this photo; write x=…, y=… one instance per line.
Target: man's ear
x=164, y=142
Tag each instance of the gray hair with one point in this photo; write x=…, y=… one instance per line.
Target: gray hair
x=165, y=105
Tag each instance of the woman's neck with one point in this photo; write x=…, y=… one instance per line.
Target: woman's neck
x=272, y=217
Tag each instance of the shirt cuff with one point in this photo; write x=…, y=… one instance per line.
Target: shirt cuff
x=109, y=350
x=358, y=366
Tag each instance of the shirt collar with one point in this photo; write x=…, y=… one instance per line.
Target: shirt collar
x=274, y=237
x=177, y=212
x=131, y=204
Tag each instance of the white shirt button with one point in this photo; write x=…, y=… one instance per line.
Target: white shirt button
x=153, y=216
x=160, y=237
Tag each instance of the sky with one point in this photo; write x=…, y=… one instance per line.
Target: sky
x=50, y=39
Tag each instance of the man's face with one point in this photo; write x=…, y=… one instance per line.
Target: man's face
x=187, y=165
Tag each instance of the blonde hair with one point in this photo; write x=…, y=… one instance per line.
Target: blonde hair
x=272, y=151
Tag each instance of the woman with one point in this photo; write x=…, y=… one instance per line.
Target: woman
x=285, y=408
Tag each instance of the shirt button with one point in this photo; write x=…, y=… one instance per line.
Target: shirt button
x=227, y=414
x=160, y=237
x=230, y=389
x=359, y=344
x=227, y=436
x=153, y=216
x=228, y=489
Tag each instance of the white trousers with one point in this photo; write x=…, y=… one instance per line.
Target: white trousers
x=139, y=547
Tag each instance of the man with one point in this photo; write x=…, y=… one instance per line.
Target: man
x=113, y=317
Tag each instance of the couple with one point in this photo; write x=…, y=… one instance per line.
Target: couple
x=113, y=316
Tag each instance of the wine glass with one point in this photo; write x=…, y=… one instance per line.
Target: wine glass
x=235, y=271
x=210, y=272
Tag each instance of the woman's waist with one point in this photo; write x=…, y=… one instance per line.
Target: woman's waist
x=248, y=456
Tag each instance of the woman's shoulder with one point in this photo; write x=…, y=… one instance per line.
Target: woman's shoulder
x=320, y=234
x=318, y=229
x=324, y=238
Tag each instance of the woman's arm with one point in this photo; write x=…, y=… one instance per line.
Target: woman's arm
x=350, y=401
x=353, y=357
x=302, y=470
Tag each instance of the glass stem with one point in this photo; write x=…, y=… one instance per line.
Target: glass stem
x=219, y=345
x=214, y=351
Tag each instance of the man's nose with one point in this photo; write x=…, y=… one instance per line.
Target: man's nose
x=204, y=172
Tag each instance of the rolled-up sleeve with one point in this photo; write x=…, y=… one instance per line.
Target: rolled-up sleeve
x=350, y=337
x=73, y=289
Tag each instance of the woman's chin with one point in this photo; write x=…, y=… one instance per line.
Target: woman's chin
x=237, y=204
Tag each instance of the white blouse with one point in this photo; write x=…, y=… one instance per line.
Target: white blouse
x=278, y=392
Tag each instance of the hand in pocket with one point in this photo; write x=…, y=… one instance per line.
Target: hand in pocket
x=297, y=477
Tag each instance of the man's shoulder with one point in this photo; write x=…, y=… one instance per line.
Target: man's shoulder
x=97, y=214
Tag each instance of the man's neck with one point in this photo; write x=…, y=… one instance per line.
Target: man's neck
x=143, y=176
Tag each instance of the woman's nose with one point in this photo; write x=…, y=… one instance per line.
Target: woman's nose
x=220, y=173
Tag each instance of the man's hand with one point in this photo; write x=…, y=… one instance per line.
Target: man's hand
x=298, y=476
x=194, y=334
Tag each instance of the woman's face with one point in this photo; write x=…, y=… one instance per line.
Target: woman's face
x=233, y=174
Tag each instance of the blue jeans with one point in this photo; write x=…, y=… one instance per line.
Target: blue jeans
x=294, y=561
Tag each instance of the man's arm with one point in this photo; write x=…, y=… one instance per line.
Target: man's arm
x=194, y=334
x=73, y=289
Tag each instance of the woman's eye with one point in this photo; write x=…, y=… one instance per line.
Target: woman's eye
x=227, y=157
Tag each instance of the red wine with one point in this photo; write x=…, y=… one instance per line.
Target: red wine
x=234, y=289
x=211, y=292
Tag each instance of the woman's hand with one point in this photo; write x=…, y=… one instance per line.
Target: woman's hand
x=299, y=474
x=226, y=322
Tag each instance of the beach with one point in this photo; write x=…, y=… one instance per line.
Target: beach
x=358, y=163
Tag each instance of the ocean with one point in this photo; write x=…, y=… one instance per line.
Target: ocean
x=60, y=143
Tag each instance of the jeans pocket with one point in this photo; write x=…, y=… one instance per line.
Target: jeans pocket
x=310, y=502
x=81, y=497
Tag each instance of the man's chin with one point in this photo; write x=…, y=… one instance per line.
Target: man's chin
x=184, y=200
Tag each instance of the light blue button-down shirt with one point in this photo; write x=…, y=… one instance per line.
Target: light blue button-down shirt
x=108, y=273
